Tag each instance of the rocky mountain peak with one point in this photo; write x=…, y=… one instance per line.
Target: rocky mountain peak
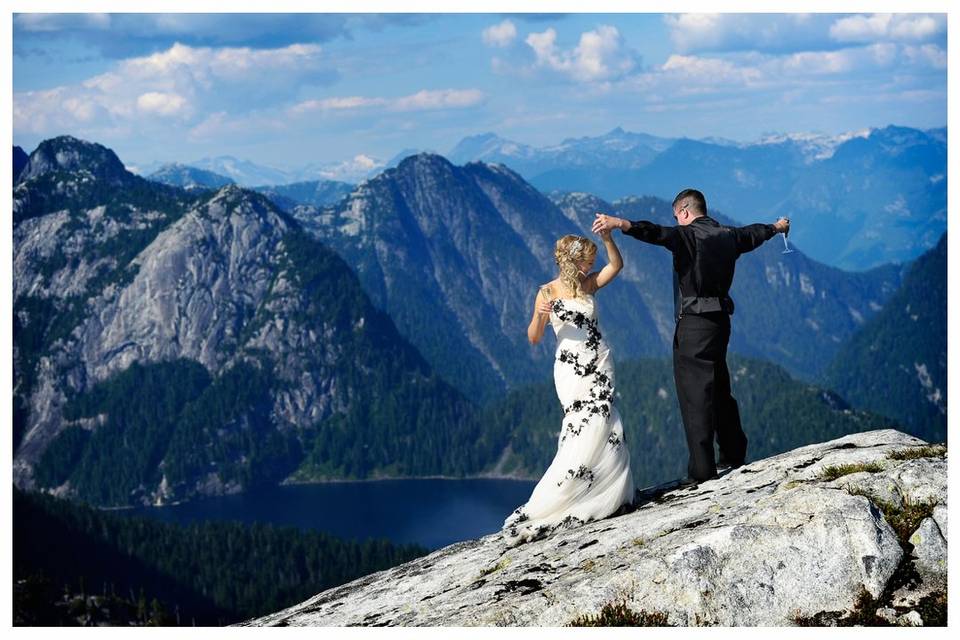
x=66, y=153
x=811, y=536
x=425, y=161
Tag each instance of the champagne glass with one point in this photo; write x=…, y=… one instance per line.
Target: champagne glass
x=786, y=247
x=545, y=290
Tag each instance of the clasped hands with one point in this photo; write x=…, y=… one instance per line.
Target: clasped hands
x=604, y=224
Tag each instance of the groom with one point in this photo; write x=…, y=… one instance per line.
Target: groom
x=704, y=257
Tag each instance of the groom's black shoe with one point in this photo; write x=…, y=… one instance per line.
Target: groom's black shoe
x=693, y=482
x=723, y=466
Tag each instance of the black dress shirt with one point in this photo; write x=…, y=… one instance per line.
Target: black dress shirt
x=705, y=253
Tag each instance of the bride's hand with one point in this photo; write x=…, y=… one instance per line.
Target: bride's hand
x=604, y=224
x=544, y=306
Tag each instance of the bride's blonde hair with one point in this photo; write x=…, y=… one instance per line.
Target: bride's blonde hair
x=570, y=250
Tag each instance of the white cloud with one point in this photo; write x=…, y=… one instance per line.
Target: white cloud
x=443, y=99
x=600, y=54
x=788, y=77
x=164, y=104
x=82, y=110
x=812, y=63
x=886, y=26
x=334, y=104
x=204, y=65
x=696, y=70
x=927, y=55
x=180, y=81
x=697, y=32
x=221, y=123
x=351, y=170
x=500, y=35
x=420, y=101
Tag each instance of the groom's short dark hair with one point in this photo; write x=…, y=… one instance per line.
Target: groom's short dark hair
x=694, y=201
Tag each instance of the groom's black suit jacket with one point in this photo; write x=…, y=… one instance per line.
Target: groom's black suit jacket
x=705, y=253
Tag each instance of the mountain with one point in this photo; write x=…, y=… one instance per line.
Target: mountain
x=317, y=193
x=78, y=161
x=723, y=173
x=181, y=175
x=491, y=148
x=169, y=344
x=896, y=364
x=20, y=159
x=615, y=150
x=857, y=200
x=243, y=172
x=877, y=199
x=779, y=542
x=778, y=413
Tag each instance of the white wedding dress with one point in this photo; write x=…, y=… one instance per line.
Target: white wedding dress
x=589, y=477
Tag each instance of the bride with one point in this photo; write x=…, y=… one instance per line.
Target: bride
x=589, y=477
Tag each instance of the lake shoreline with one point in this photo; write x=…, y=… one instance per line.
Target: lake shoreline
x=323, y=481
x=385, y=478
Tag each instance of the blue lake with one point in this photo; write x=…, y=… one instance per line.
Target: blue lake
x=431, y=512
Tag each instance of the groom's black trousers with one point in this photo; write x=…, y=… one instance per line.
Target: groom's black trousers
x=703, y=390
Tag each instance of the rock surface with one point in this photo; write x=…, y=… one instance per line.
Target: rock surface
x=765, y=544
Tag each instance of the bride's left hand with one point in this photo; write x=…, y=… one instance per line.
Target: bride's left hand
x=545, y=307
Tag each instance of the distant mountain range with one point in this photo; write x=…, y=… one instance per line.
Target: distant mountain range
x=617, y=149
x=247, y=173
x=181, y=175
x=317, y=193
x=857, y=200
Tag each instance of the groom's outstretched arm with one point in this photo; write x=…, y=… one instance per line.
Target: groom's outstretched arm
x=753, y=235
x=653, y=233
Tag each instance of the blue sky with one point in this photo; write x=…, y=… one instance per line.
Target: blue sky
x=293, y=90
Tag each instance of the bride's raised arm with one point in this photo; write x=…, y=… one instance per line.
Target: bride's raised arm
x=600, y=279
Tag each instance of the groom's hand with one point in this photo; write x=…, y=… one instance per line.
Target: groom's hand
x=782, y=225
x=604, y=223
